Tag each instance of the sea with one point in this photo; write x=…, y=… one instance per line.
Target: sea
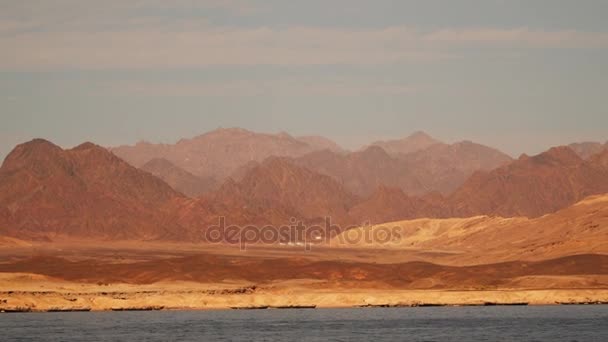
x=492, y=323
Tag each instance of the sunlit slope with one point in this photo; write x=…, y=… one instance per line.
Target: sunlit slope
x=581, y=228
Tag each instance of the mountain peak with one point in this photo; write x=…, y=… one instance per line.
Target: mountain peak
x=318, y=142
x=92, y=153
x=87, y=146
x=421, y=135
x=285, y=135
x=36, y=151
x=561, y=154
x=232, y=130
x=157, y=163
x=374, y=151
x=415, y=142
x=466, y=143
x=38, y=145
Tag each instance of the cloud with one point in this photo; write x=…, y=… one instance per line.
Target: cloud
x=185, y=43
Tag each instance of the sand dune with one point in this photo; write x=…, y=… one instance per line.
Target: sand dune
x=581, y=228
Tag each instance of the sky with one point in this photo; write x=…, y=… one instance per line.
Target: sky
x=518, y=75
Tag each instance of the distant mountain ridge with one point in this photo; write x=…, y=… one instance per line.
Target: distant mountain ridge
x=417, y=164
x=587, y=149
x=438, y=168
x=179, y=179
x=415, y=142
x=87, y=191
x=218, y=153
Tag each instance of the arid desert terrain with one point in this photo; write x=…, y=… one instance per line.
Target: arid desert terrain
x=417, y=223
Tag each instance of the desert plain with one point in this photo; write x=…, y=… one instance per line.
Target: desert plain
x=431, y=262
x=127, y=228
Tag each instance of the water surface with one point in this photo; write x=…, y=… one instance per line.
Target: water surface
x=539, y=323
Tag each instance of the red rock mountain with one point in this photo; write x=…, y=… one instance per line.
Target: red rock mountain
x=444, y=168
x=532, y=186
x=440, y=168
x=599, y=160
x=85, y=191
x=364, y=171
x=48, y=192
x=587, y=149
x=278, y=182
x=529, y=186
x=392, y=204
x=219, y=153
x=179, y=179
x=320, y=143
x=415, y=142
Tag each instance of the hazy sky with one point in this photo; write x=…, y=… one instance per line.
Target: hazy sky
x=517, y=75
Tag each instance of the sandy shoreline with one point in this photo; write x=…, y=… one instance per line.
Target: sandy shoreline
x=124, y=277
x=57, y=297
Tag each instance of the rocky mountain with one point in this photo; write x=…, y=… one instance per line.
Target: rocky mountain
x=364, y=171
x=388, y=204
x=320, y=143
x=179, y=179
x=443, y=168
x=531, y=186
x=415, y=142
x=85, y=191
x=600, y=160
x=439, y=168
x=587, y=149
x=217, y=154
x=47, y=192
x=278, y=182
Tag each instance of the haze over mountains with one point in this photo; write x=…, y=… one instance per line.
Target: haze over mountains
x=218, y=153
x=415, y=142
x=589, y=148
x=417, y=164
x=179, y=179
x=182, y=189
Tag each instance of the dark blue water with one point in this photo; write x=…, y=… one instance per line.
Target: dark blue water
x=548, y=323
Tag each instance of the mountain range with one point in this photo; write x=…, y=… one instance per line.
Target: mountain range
x=218, y=153
x=47, y=192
